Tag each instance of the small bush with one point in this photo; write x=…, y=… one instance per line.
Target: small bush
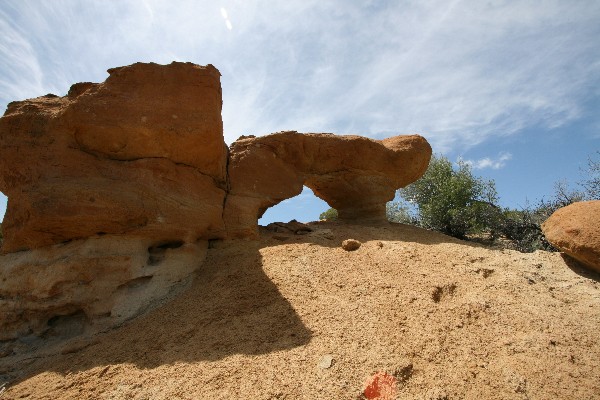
x=329, y=215
x=450, y=199
x=453, y=200
x=592, y=183
x=399, y=212
x=523, y=230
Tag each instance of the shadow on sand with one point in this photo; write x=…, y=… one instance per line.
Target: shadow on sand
x=579, y=268
x=231, y=308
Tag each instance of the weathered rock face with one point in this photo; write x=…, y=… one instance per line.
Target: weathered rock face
x=142, y=154
x=96, y=283
x=153, y=111
x=575, y=230
x=353, y=174
x=113, y=192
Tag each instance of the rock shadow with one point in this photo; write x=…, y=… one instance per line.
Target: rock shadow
x=579, y=268
x=231, y=308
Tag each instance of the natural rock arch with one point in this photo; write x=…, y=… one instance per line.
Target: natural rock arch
x=353, y=174
x=115, y=189
x=304, y=208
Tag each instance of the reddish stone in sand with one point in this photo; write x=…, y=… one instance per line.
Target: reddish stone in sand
x=381, y=386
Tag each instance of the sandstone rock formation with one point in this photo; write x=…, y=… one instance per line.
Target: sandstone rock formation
x=575, y=230
x=115, y=189
x=353, y=174
x=140, y=154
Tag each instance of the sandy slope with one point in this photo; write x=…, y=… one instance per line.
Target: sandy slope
x=448, y=318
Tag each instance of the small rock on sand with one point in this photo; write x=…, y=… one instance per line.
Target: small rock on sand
x=350, y=244
x=326, y=361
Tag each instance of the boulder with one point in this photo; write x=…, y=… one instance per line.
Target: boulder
x=353, y=174
x=142, y=154
x=575, y=230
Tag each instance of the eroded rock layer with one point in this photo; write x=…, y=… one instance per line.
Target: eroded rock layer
x=95, y=283
x=353, y=174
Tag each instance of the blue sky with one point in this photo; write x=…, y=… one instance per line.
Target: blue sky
x=511, y=86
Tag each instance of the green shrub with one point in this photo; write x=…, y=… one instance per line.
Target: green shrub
x=522, y=228
x=453, y=200
x=329, y=215
x=399, y=212
x=450, y=199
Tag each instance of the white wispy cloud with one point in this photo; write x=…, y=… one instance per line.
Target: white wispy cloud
x=458, y=72
x=306, y=194
x=226, y=18
x=487, y=162
x=18, y=60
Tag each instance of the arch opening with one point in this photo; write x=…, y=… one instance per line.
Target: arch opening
x=305, y=207
x=3, y=205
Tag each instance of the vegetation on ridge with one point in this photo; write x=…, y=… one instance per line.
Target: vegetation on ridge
x=450, y=199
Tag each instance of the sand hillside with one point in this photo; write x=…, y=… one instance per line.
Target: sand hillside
x=303, y=319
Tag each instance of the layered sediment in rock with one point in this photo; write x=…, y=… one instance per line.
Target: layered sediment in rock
x=95, y=283
x=575, y=230
x=115, y=189
x=103, y=184
x=353, y=174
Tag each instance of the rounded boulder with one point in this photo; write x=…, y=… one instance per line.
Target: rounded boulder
x=575, y=230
